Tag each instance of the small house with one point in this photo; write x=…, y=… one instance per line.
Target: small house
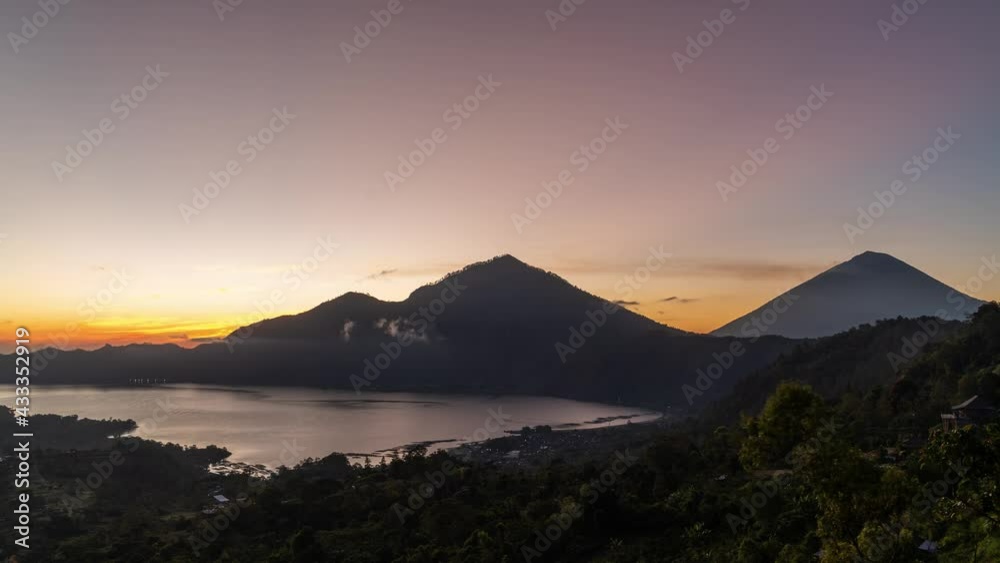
x=975, y=411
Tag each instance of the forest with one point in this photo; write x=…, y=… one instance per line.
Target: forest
x=853, y=473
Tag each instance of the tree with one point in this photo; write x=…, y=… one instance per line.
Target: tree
x=793, y=416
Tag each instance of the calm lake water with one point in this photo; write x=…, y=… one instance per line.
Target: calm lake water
x=280, y=425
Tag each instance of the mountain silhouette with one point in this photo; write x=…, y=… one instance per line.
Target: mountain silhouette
x=870, y=287
x=495, y=327
x=502, y=293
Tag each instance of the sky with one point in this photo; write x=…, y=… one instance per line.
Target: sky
x=167, y=167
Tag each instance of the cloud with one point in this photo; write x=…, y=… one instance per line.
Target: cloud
x=698, y=268
x=346, y=332
x=380, y=274
x=626, y=303
x=680, y=300
x=401, y=328
x=203, y=339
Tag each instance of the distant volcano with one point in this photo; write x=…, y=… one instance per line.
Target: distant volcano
x=503, y=295
x=869, y=287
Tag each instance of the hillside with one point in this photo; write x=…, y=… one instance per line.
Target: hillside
x=868, y=288
x=499, y=326
x=856, y=361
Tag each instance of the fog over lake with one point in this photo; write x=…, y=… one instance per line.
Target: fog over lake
x=282, y=425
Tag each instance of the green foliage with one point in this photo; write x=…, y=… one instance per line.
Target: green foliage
x=807, y=474
x=792, y=417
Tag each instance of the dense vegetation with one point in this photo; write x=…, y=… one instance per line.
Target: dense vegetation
x=807, y=474
x=497, y=327
x=850, y=363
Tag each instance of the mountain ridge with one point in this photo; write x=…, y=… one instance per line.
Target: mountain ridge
x=493, y=327
x=504, y=290
x=869, y=287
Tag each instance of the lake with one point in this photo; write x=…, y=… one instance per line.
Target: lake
x=275, y=426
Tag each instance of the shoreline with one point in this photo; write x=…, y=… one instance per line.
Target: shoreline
x=657, y=407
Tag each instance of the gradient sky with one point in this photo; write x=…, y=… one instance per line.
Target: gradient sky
x=323, y=176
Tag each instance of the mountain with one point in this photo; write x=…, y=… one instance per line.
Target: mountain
x=868, y=288
x=857, y=361
x=499, y=326
x=501, y=294
x=891, y=381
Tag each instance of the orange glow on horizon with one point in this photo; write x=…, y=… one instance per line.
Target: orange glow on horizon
x=696, y=297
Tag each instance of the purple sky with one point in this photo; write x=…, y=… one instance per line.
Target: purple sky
x=324, y=174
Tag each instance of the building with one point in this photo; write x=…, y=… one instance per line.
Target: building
x=928, y=546
x=975, y=411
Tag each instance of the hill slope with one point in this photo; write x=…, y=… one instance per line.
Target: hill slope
x=495, y=327
x=856, y=361
x=498, y=294
x=868, y=288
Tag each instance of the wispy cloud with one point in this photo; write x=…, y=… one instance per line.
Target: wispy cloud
x=380, y=274
x=679, y=300
x=626, y=303
x=700, y=267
